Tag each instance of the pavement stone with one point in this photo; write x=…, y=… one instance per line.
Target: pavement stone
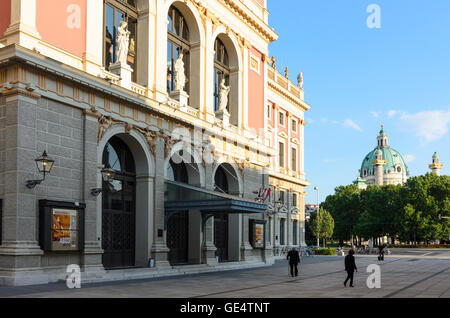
x=318, y=277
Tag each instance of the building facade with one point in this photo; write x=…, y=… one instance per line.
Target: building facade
x=160, y=120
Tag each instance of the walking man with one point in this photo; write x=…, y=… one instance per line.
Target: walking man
x=294, y=259
x=350, y=267
x=381, y=252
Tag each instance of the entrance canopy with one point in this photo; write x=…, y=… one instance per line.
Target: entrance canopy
x=180, y=196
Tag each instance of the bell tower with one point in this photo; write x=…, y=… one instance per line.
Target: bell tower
x=382, y=138
x=436, y=166
x=378, y=166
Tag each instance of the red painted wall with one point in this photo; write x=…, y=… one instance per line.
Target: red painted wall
x=5, y=16
x=261, y=2
x=59, y=24
x=256, y=92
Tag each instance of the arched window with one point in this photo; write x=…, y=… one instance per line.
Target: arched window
x=177, y=42
x=221, y=180
x=177, y=172
x=221, y=70
x=116, y=11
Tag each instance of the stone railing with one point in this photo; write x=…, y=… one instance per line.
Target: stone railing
x=110, y=77
x=138, y=89
x=284, y=83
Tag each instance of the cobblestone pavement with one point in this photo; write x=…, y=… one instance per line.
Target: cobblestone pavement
x=320, y=276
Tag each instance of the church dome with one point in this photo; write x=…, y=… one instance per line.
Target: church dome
x=394, y=160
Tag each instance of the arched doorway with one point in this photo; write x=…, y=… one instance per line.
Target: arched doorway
x=119, y=206
x=225, y=181
x=178, y=224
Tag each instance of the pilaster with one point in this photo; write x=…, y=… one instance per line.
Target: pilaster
x=22, y=29
x=20, y=254
x=159, y=249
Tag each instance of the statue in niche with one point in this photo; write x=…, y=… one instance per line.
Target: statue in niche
x=300, y=79
x=180, y=77
x=123, y=41
x=223, y=95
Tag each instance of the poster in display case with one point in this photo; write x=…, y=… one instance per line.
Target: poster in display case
x=257, y=233
x=61, y=226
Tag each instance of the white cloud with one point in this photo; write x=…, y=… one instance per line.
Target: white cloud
x=348, y=123
x=324, y=120
x=375, y=114
x=392, y=113
x=427, y=125
x=409, y=158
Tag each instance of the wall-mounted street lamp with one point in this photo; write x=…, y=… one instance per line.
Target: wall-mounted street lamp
x=108, y=175
x=44, y=165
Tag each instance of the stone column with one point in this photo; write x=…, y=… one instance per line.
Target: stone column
x=289, y=222
x=243, y=117
x=160, y=69
x=92, y=255
x=208, y=247
x=20, y=254
x=144, y=219
x=22, y=30
x=93, y=57
x=208, y=107
x=159, y=250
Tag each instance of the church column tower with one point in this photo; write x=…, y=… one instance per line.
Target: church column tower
x=383, y=140
x=378, y=164
x=436, y=166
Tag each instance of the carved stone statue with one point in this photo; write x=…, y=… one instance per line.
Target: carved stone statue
x=223, y=95
x=286, y=71
x=300, y=80
x=151, y=139
x=180, y=77
x=274, y=62
x=104, y=124
x=123, y=40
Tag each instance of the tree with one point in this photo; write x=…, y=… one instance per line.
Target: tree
x=322, y=225
x=344, y=207
x=429, y=196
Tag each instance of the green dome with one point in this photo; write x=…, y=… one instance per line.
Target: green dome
x=393, y=158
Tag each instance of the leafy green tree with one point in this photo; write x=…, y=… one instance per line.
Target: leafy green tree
x=322, y=225
x=344, y=207
x=429, y=195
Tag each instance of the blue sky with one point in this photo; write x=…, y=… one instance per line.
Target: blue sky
x=356, y=77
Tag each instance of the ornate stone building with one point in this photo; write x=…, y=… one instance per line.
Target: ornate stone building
x=139, y=139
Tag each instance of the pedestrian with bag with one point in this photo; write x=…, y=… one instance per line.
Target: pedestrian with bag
x=350, y=267
x=294, y=260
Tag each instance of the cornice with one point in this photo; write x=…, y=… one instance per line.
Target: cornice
x=250, y=18
x=288, y=96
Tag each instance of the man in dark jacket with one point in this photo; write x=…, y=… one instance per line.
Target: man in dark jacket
x=294, y=259
x=350, y=267
x=381, y=252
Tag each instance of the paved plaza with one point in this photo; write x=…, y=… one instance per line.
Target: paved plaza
x=408, y=275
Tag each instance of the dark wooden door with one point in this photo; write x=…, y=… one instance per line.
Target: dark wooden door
x=119, y=223
x=178, y=238
x=221, y=236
